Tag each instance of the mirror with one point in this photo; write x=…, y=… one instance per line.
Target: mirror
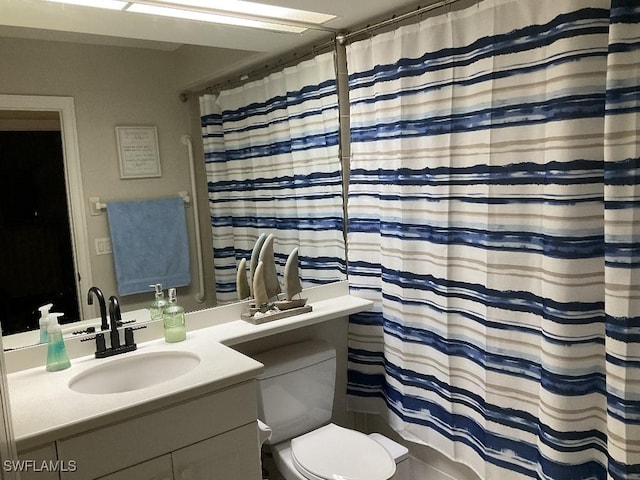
x=111, y=86
x=127, y=69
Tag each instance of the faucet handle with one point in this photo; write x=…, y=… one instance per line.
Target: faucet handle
x=128, y=334
x=101, y=345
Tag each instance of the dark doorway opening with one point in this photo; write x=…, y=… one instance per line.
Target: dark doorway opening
x=36, y=253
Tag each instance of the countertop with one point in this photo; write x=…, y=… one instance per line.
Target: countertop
x=44, y=408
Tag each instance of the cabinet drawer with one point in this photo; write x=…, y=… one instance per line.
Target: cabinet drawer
x=106, y=450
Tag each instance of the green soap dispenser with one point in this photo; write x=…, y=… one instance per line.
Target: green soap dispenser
x=174, y=321
x=57, y=358
x=44, y=321
x=158, y=305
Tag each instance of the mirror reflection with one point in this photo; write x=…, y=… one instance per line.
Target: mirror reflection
x=273, y=162
x=112, y=86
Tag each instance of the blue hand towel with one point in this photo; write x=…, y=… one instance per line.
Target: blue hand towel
x=149, y=243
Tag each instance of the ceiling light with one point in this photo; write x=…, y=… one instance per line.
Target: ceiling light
x=252, y=8
x=110, y=4
x=241, y=13
x=213, y=18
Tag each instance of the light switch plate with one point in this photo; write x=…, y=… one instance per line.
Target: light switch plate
x=103, y=246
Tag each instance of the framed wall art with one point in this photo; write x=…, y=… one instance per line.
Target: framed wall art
x=138, y=152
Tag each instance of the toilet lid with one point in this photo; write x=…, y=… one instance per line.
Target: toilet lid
x=332, y=452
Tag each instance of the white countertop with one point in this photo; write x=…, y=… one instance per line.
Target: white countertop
x=44, y=408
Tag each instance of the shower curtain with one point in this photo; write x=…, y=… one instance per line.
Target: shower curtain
x=273, y=166
x=493, y=209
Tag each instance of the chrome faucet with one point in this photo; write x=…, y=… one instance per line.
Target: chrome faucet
x=103, y=307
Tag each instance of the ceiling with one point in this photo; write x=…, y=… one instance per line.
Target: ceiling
x=37, y=19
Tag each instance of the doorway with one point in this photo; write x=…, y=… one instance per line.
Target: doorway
x=36, y=250
x=59, y=214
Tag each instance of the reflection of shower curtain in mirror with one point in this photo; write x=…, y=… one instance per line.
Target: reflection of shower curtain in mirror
x=271, y=151
x=493, y=219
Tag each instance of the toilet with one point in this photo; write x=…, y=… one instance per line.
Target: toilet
x=295, y=399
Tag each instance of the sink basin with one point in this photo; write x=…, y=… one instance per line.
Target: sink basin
x=134, y=372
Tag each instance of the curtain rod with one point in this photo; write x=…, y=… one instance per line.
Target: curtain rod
x=348, y=37
x=340, y=38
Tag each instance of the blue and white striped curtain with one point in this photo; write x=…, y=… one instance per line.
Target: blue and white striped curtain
x=273, y=166
x=493, y=220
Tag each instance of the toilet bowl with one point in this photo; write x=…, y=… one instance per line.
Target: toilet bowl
x=295, y=399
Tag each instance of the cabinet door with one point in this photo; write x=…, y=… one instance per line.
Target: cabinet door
x=234, y=455
x=33, y=462
x=158, y=432
x=156, y=469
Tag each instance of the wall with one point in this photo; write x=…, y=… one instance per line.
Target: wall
x=195, y=65
x=113, y=86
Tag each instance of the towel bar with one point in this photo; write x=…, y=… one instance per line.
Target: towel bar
x=96, y=206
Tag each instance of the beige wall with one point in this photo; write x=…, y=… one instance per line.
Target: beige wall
x=196, y=66
x=113, y=86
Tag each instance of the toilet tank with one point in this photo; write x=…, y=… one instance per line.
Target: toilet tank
x=295, y=393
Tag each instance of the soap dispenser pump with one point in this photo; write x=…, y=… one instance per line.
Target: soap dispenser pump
x=157, y=307
x=44, y=321
x=173, y=319
x=57, y=358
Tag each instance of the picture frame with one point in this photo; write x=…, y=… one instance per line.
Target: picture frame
x=138, y=152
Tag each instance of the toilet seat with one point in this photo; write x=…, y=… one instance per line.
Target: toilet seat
x=332, y=452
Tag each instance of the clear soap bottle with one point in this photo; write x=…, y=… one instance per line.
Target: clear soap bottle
x=157, y=307
x=44, y=322
x=57, y=358
x=174, y=321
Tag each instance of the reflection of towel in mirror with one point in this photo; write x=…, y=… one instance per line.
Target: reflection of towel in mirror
x=150, y=244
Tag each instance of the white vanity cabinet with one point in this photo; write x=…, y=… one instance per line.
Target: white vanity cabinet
x=208, y=437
